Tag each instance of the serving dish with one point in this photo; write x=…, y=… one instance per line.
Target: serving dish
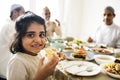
x=109, y=69
x=104, y=59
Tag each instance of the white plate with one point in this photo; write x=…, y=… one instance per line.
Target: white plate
x=110, y=51
x=71, y=58
x=110, y=74
x=79, y=68
x=100, y=59
x=89, y=56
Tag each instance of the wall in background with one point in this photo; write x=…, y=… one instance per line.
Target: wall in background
x=5, y=8
x=93, y=14
x=82, y=17
x=79, y=18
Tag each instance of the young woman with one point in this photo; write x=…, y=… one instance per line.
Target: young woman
x=30, y=39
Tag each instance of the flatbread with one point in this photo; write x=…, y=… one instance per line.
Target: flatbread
x=49, y=52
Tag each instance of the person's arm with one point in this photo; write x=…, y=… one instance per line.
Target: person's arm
x=92, y=38
x=118, y=41
x=46, y=69
x=57, y=29
x=58, y=22
x=7, y=33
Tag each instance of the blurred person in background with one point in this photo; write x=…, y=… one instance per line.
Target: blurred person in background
x=51, y=26
x=6, y=36
x=108, y=33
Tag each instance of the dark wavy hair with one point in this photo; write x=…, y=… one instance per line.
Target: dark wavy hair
x=21, y=26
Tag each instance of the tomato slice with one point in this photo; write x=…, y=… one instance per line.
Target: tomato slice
x=109, y=70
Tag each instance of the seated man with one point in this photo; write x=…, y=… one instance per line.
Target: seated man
x=6, y=36
x=51, y=26
x=108, y=33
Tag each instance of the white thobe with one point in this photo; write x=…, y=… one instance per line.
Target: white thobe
x=108, y=34
x=6, y=36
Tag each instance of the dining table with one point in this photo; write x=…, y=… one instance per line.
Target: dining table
x=61, y=74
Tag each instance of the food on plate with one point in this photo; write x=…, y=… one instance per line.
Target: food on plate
x=97, y=49
x=68, y=48
x=117, y=60
x=68, y=39
x=102, y=46
x=106, y=51
x=102, y=50
x=68, y=44
x=78, y=42
x=79, y=52
x=113, y=68
x=117, y=67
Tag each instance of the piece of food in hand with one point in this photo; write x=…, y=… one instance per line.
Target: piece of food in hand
x=50, y=52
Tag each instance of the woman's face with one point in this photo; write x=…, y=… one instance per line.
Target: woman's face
x=34, y=39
